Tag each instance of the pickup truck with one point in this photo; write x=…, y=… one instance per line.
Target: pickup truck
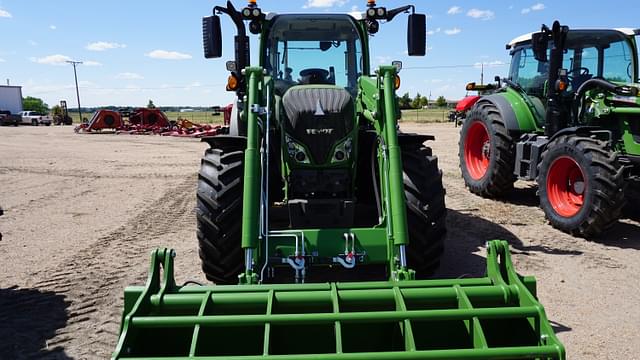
x=35, y=118
x=6, y=118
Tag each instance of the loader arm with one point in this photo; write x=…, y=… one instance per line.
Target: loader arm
x=379, y=107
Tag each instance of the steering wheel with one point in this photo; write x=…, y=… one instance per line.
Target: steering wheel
x=314, y=76
x=580, y=70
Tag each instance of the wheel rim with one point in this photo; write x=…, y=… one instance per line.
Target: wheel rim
x=566, y=186
x=477, y=150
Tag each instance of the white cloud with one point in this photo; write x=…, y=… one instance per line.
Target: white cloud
x=453, y=31
x=129, y=76
x=2, y=60
x=534, y=7
x=355, y=11
x=168, y=55
x=323, y=3
x=92, y=63
x=52, y=27
x=538, y=7
x=383, y=59
x=5, y=14
x=33, y=43
x=481, y=14
x=103, y=45
x=454, y=10
x=52, y=59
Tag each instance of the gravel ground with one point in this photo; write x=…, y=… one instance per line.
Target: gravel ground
x=82, y=213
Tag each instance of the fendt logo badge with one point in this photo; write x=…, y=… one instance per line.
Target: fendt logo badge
x=319, y=111
x=319, y=131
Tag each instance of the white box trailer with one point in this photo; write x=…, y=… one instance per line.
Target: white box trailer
x=11, y=98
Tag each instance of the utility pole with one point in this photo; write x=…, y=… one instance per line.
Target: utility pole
x=75, y=74
x=482, y=74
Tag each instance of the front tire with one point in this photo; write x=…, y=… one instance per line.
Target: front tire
x=426, y=211
x=581, y=185
x=34, y=122
x=219, y=213
x=486, y=152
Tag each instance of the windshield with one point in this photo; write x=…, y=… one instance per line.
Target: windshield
x=606, y=54
x=312, y=49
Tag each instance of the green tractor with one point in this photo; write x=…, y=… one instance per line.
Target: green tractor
x=318, y=221
x=567, y=117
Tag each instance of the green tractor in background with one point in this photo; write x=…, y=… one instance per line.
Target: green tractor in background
x=317, y=219
x=568, y=117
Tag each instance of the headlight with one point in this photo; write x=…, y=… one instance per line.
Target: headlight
x=342, y=152
x=297, y=151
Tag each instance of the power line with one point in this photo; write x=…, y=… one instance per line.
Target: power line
x=478, y=65
x=128, y=88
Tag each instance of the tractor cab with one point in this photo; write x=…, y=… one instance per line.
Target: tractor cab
x=318, y=49
x=586, y=54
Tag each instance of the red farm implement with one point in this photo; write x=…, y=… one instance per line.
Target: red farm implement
x=102, y=120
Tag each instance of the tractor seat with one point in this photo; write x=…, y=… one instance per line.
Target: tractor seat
x=318, y=116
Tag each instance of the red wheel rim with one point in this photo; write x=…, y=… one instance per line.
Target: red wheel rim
x=566, y=186
x=477, y=150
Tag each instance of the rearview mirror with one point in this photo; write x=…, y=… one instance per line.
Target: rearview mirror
x=417, y=34
x=540, y=44
x=398, y=65
x=212, y=37
x=325, y=45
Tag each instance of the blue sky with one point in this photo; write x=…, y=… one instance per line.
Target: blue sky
x=138, y=50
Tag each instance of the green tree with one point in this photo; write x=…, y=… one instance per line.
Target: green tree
x=150, y=105
x=424, y=102
x=56, y=110
x=34, y=104
x=415, y=103
x=441, y=101
x=405, y=101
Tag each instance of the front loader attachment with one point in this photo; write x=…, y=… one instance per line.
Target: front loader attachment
x=495, y=317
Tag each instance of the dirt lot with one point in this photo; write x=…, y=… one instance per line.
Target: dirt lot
x=82, y=213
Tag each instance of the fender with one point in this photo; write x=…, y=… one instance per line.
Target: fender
x=223, y=140
x=516, y=114
x=466, y=103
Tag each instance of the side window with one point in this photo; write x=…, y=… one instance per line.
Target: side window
x=530, y=74
x=590, y=60
x=618, y=62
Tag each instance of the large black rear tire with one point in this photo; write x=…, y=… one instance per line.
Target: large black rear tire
x=487, y=152
x=426, y=211
x=581, y=185
x=219, y=213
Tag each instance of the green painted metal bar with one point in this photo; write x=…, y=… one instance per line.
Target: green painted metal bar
x=512, y=353
x=473, y=326
x=625, y=110
x=251, y=186
x=337, y=325
x=267, y=326
x=196, y=329
x=396, y=188
x=487, y=293
x=319, y=318
x=407, y=330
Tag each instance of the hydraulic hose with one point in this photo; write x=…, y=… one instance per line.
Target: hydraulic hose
x=602, y=84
